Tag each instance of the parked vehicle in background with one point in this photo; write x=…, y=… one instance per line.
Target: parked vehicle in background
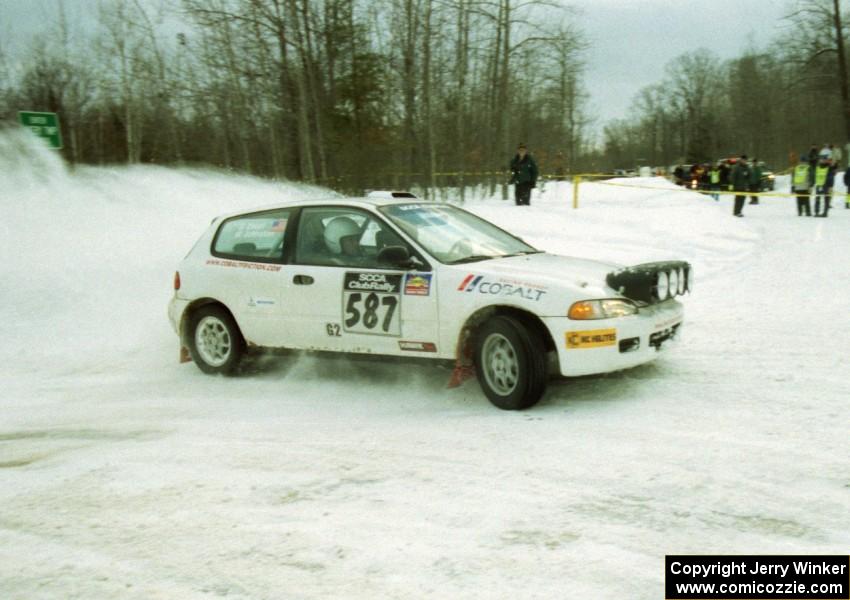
x=682, y=175
x=768, y=179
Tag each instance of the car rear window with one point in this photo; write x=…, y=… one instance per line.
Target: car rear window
x=256, y=237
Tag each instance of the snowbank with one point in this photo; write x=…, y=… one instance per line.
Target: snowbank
x=126, y=475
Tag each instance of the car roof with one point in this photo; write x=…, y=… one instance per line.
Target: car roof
x=357, y=202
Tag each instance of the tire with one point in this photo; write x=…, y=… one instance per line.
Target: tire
x=215, y=342
x=510, y=362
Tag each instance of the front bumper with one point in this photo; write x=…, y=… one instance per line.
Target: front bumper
x=605, y=345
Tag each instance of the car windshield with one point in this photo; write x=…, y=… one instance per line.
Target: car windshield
x=452, y=235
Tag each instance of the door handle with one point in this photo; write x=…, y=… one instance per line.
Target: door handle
x=302, y=280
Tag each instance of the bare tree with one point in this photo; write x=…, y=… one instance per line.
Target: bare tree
x=819, y=27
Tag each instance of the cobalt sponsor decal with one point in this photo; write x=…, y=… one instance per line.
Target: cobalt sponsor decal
x=417, y=284
x=373, y=282
x=417, y=346
x=502, y=287
x=591, y=339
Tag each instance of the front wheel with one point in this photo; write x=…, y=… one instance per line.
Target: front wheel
x=215, y=342
x=510, y=362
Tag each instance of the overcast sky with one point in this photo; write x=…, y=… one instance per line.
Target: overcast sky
x=631, y=40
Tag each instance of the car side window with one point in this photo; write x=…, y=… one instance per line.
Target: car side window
x=342, y=237
x=257, y=237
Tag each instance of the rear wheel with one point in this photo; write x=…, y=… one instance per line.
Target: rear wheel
x=510, y=362
x=215, y=342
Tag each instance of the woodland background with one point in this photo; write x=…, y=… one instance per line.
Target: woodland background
x=357, y=94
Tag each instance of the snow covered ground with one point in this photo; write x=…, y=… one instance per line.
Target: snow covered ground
x=124, y=474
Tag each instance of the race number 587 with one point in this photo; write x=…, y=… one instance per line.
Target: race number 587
x=371, y=303
x=372, y=311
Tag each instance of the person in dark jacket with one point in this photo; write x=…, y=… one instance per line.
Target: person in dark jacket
x=813, y=157
x=725, y=172
x=847, y=186
x=755, y=180
x=523, y=175
x=740, y=180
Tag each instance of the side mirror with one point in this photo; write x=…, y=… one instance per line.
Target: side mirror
x=397, y=256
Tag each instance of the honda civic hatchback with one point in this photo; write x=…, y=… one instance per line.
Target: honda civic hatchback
x=406, y=277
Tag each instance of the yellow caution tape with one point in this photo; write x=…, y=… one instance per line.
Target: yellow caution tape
x=725, y=192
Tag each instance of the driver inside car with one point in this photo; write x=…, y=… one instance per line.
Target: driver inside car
x=342, y=239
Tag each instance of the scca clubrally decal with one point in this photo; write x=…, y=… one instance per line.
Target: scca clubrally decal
x=371, y=303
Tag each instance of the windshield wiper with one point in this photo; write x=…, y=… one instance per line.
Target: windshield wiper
x=522, y=253
x=473, y=258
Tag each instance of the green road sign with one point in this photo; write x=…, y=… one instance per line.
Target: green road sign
x=44, y=125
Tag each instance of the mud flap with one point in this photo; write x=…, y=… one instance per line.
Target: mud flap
x=184, y=355
x=464, y=367
x=460, y=374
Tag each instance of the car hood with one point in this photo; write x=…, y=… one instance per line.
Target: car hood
x=550, y=270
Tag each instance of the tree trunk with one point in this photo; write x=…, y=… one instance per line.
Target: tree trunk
x=409, y=85
x=426, y=96
x=461, y=60
x=493, y=153
x=842, y=68
x=504, y=98
x=304, y=134
x=313, y=86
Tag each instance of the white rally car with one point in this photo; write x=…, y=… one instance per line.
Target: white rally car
x=405, y=277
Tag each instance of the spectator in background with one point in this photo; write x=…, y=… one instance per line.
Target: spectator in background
x=705, y=180
x=740, y=180
x=755, y=180
x=824, y=179
x=847, y=188
x=836, y=155
x=714, y=180
x=725, y=171
x=523, y=175
x=801, y=184
x=813, y=157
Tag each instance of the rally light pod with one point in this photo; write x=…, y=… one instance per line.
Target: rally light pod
x=644, y=283
x=673, y=278
x=662, y=285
